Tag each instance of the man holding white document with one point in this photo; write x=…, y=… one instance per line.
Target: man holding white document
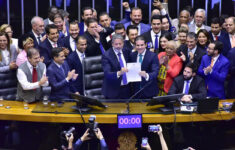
x=149, y=69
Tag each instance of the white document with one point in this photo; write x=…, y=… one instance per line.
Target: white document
x=133, y=72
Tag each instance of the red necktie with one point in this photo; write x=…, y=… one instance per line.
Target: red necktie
x=216, y=38
x=35, y=75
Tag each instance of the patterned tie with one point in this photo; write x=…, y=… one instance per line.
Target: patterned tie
x=140, y=58
x=156, y=42
x=187, y=87
x=124, y=79
x=35, y=75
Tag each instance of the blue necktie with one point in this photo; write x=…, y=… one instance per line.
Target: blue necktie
x=187, y=87
x=39, y=40
x=102, y=49
x=75, y=46
x=140, y=58
x=62, y=69
x=124, y=79
x=156, y=42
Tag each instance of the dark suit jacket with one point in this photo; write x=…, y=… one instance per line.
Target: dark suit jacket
x=29, y=34
x=66, y=43
x=75, y=63
x=224, y=38
x=60, y=88
x=197, y=56
x=222, y=34
x=127, y=45
x=45, y=50
x=150, y=64
x=81, y=27
x=111, y=83
x=231, y=83
x=215, y=80
x=197, y=87
x=148, y=38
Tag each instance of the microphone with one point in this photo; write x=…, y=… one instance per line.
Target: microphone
x=68, y=133
x=140, y=90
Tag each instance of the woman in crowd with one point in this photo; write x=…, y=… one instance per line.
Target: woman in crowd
x=22, y=57
x=7, y=54
x=164, y=38
x=170, y=67
x=203, y=38
x=8, y=29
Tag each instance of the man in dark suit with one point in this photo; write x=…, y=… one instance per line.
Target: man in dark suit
x=231, y=81
x=75, y=61
x=114, y=61
x=192, y=85
x=152, y=36
x=95, y=36
x=70, y=41
x=37, y=33
x=60, y=77
x=149, y=69
x=50, y=42
x=216, y=29
x=214, y=69
x=136, y=18
x=86, y=14
x=191, y=52
x=132, y=33
x=228, y=39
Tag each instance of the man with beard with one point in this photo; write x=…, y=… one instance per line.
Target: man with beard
x=136, y=18
x=71, y=40
x=190, y=84
x=214, y=69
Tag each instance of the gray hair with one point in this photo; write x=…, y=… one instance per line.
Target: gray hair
x=117, y=36
x=35, y=19
x=201, y=10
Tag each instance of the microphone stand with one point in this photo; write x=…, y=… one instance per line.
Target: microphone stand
x=140, y=90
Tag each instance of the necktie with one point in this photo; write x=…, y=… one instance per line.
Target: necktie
x=233, y=41
x=187, y=87
x=75, y=46
x=198, y=29
x=212, y=62
x=124, y=79
x=62, y=69
x=35, y=75
x=140, y=58
x=156, y=42
x=39, y=40
x=216, y=38
x=102, y=49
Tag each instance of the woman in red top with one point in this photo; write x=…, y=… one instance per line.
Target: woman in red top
x=170, y=67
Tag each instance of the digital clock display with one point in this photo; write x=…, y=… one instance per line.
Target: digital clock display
x=129, y=121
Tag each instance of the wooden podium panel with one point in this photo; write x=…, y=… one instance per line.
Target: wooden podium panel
x=150, y=114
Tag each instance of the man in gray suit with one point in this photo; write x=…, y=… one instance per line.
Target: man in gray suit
x=31, y=76
x=199, y=18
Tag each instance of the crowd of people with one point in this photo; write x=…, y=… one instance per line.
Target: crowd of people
x=181, y=55
x=53, y=52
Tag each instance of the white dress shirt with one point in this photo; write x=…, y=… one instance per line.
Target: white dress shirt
x=138, y=58
x=6, y=56
x=22, y=78
x=72, y=43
